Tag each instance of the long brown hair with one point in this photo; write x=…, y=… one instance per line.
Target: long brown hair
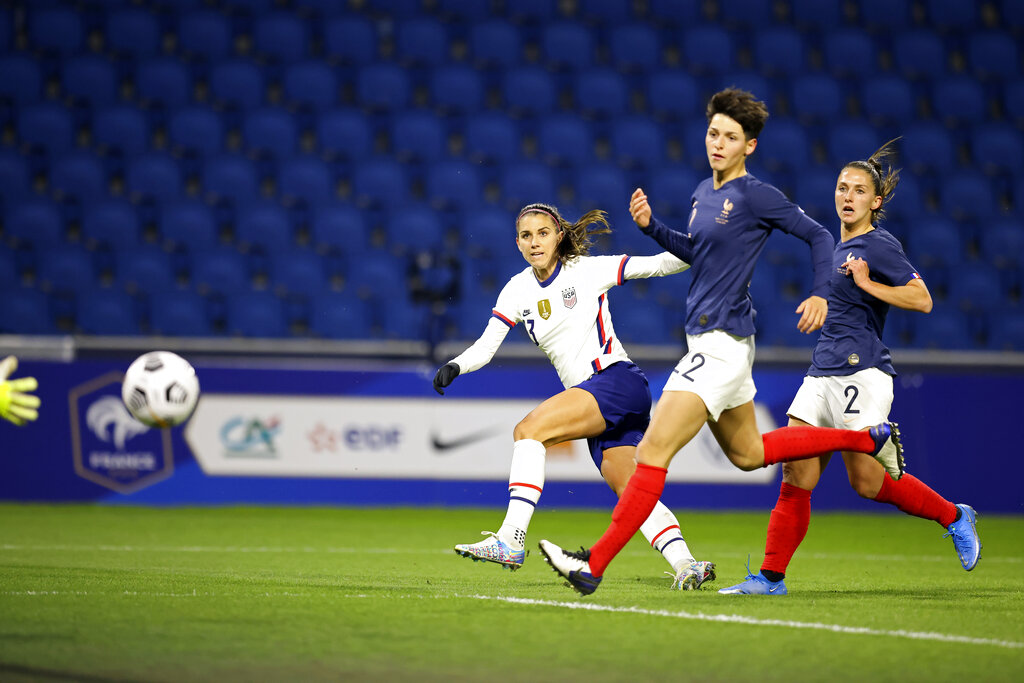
x=578, y=236
x=884, y=176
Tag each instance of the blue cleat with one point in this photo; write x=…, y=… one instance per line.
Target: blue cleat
x=756, y=584
x=965, y=537
x=888, y=449
x=492, y=549
x=574, y=567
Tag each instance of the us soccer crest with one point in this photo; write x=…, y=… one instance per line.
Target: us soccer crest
x=569, y=297
x=110, y=447
x=544, y=309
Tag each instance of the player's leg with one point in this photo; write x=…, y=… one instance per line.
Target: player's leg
x=570, y=414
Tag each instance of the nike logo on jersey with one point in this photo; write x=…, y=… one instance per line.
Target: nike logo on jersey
x=442, y=445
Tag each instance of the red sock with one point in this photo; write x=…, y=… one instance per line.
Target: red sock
x=638, y=500
x=787, y=527
x=797, y=443
x=914, y=497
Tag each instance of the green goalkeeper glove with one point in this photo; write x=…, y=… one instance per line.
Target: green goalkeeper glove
x=15, y=404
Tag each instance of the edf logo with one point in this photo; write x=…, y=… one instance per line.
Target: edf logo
x=371, y=437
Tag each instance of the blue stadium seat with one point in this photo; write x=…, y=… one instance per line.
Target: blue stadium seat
x=298, y=272
x=606, y=13
x=304, y=180
x=952, y=16
x=106, y=312
x=418, y=135
x=204, y=35
x=344, y=134
x=885, y=16
x=776, y=324
x=779, y=51
x=566, y=45
x=340, y=316
x=670, y=189
x=527, y=182
x=634, y=47
x=380, y=277
x=339, y=227
x=941, y=245
x=264, y=225
x=46, y=128
x=976, y=287
x=1002, y=243
x=599, y=185
x=958, y=100
x=25, y=311
x=565, y=140
x=229, y=178
x=840, y=44
x=673, y=94
x=10, y=272
x=269, y=132
x=453, y=184
x=90, y=80
x=997, y=148
x=495, y=44
x=816, y=98
x=36, y=221
x=492, y=138
x=380, y=182
x=383, y=86
x=488, y=227
x=415, y=227
x=188, y=225
x=349, y=40
x=966, y=194
x=121, y=129
x=637, y=320
x=927, y=146
x=15, y=177
x=162, y=83
x=849, y=140
x=220, y=271
x=533, y=11
x=421, y=41
x=908, y=204
x=66, y=269
x=309, y=86
x=143, y=269
x=707, y=49
x=675, y=13
x=405, y=320
x=110, y=223
x=57, y=30
x=256, y=314
x=22, y=82
x=77, y=177
x=529, y=91
x=1013, y=100
x=813, y=16
x=152, y=177
x=470, y=11
x=132, y=33
x=600, y=93
x=6, y=30
x=920, y=54
x=236, y=84
x=784, y=145
x=179, y=313
x=814, y=191
x=637, y=142
x=1006, y=331
x=195, y=131
x=279, y=37
x=456, y=89
x=887, y=100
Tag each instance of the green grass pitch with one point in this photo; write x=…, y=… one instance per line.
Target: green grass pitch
x=105, y=593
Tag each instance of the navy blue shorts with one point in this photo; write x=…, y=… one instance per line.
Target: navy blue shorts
x=624, y=398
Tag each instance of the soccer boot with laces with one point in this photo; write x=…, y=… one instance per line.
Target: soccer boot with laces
x=574, y=567
x=756, y=584
x=693, y=576
x=888, y=448
x=965, y=536
x=492, y=549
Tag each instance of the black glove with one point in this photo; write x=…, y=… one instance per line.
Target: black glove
x=446, y=374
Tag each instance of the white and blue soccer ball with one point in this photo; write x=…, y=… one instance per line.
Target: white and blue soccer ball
x=160, y=389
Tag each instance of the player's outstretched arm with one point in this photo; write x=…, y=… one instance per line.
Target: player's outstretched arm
x=445, y=375
x=17, y=404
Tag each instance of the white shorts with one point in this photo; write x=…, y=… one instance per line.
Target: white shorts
x=855, y=401
x=717, y=368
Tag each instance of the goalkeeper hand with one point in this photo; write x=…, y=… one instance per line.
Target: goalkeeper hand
x=446, y=374
x=16, y=404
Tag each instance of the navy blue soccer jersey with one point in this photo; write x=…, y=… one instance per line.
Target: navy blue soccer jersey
x=851, y=339
x=726, y=233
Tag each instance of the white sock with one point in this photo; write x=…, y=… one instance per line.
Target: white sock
x=661, y=529
x=525, y=483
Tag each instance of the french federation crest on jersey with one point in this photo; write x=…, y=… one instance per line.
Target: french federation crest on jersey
x=723, y=217
x=569, y=297
x=544, y=309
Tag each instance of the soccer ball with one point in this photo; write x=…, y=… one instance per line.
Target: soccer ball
x=160, y=389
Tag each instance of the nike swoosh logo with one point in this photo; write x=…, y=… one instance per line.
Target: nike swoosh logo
x=442, y=445
x=773, y=589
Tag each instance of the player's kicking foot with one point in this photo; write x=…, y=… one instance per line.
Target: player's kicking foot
x=693, y=576
x=756, y=584
x=574, y=567
x=492, y=549
x=965, y=536
x=888, y=449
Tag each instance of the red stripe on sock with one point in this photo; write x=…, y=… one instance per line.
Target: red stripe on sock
x=914, y=497
x=638, y=500
x=668, y=528
x=787, y=527
x=798, y=443
x=529, y=486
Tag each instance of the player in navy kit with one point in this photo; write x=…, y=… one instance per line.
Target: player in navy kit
x=562, y=301
x=849, y=383
x=731, y=217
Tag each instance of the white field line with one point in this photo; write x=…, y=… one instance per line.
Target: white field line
x=586, y=606
x=419, y=551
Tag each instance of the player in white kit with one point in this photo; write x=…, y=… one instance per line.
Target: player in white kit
x=561, y=300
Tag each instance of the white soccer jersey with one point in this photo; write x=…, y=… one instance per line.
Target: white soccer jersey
x=567, y=315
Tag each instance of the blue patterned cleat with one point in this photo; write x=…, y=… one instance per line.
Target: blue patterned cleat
x=693, y=576
x=888, y=449
x=756, y=584
x=574, y=567
x=492, y=549
x=965, y=537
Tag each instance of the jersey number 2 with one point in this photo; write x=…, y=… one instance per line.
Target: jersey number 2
x=698, y=362
x=852, y=392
